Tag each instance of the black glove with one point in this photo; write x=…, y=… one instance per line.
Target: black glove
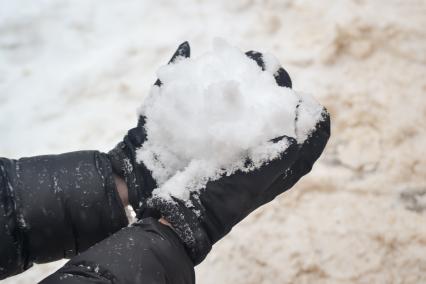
x=138, y=178
x=226, y=201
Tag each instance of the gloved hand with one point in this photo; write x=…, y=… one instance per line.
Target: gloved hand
x=223, y=203
x=137, y=177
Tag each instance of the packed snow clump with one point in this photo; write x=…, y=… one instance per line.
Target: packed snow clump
x=214, y=112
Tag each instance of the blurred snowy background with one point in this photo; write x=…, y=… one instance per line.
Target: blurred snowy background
x=72, y=74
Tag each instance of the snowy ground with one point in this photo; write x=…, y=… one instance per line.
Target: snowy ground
x=72, y=74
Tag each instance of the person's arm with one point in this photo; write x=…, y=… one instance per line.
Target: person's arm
x=147, y=252
x=55, y=206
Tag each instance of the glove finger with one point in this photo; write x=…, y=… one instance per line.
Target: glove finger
x=308, y=152
x=258, y=57
x=281, y=76
x=317, y=139
x=183, y=50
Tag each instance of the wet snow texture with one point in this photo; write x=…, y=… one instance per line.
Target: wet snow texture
x=215, y=112
x=72, y=72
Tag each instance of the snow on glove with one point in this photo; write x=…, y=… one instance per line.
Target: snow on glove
x=222, y=203
x=138, y=178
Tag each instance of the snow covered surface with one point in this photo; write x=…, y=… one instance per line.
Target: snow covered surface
x=72, y=72
x=214, y=112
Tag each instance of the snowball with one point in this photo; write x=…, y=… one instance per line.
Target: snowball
x=213, y=113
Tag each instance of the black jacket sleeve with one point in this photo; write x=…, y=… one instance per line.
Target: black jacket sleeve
x=55, y=206
x=147, y=252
